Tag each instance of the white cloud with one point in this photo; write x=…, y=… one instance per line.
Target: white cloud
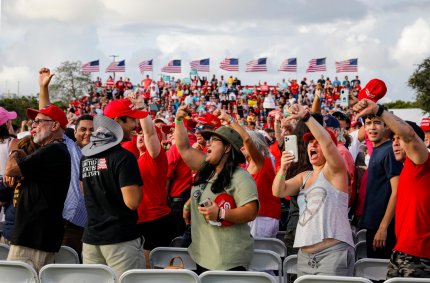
x=413, y=44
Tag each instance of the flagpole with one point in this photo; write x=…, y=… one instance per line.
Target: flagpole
x=113, y=60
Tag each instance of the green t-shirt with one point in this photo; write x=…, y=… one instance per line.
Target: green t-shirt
x=223, y=247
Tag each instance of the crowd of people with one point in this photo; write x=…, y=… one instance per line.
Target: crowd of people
x=125, y=169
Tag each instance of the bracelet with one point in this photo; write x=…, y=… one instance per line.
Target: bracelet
x=380, y=110
x=179, y=121
x=306, y=117
x=281, y=176
x=186, y=207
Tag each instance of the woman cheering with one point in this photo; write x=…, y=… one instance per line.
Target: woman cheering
x=223, y=199
x=323, y=234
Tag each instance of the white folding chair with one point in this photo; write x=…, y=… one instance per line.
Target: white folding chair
x=271, y=244
x=265, y=260
x=159, y=276
x=360, y=250
x=236, y=277
x=4, y=251
x=407, y=280
x=17, y=271
x=71, y=273
x=160, y=257
x=327, y=279
x=66, y=255
x=289, y=267
x=177, y=242
x=371, y=268
x=360, y=235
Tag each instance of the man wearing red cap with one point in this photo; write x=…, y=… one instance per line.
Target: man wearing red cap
x=411, y=254
x=425, y=126
x=39, y=224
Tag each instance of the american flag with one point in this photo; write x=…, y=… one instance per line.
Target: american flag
x=200, y=65
x=350, y=65
x=116, y=67
x=93, y=66
x=230, y=64
x=289, y=65
x=258, y=65
x=145, y=66
x=316, y=65
x=174, y=66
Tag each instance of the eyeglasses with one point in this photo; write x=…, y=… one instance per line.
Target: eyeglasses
x=37, y=121
x=213, y=138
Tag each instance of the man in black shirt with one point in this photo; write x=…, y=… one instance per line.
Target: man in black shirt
x=112, y=189
x=39, y=224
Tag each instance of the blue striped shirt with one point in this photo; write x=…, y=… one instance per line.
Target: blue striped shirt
x=74, y=207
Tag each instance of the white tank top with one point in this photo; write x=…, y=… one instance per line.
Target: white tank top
x=4, y=154
x=323, y=214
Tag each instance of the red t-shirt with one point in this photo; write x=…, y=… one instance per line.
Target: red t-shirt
x=131, y=146
x=270, y=206
x=274, y=149
x=154, y=177
x=179, y=172
x=412, y=210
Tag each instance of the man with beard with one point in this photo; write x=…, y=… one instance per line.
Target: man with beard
x=39, y=225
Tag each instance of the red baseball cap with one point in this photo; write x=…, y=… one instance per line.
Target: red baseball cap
x=210, y=120
x=425, y=124
x=374, y=90
x=52, y=111
x=308, y=136
x=225, y=201
x=123, y=107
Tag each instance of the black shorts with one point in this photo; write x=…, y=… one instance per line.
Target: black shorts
x=158, y=232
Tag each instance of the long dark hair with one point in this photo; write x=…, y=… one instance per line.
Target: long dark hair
x=303, y=163
x=4, y=133
x=224, y=177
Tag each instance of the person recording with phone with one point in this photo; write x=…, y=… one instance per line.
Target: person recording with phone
x=323, y=234
x=220, y=233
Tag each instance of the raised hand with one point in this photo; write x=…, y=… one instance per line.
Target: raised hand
x=45, y=77
x=365, y=107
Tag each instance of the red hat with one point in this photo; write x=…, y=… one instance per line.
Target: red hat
x=308, y=136
x=123, y=107
x=210, y=120
x=374, y=90
x=425, y=124
x=225, y=201
x=54, y=112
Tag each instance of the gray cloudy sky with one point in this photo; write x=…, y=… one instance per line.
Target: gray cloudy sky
x=388, y=36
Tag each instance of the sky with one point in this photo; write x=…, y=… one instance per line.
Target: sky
x=389, y=37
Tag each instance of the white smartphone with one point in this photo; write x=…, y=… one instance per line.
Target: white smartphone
x=291, y=146
x=344, y=97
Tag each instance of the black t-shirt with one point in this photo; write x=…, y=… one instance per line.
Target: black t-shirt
x=103, y=175
x=382, y=167
x=39, y=222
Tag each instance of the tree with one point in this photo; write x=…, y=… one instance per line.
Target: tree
x=69, y=82
x=420, y=82
x=400, y=104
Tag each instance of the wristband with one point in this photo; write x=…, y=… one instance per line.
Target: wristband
x=186, y=207
x=281, y=176
x=306, y=117
x=179, y=121
x=380, y=110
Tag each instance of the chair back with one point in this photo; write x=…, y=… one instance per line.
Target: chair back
x=66, y=255
x=271, y=244
x=160, y=257
x=236, y=276
x=4, y=251
x=71, y=273
x=159, y=276
x=360, y=250
x=289, y=267
x=374, y=269
x=328, y=279
x=17, y=271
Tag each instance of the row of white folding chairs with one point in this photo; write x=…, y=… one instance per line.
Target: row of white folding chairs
x=65, y=254
x=12, y=271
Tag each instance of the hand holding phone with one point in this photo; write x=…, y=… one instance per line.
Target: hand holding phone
x=205, y=203
x=291, y=146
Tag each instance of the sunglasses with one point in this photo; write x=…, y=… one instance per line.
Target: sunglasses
x=203, y=128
